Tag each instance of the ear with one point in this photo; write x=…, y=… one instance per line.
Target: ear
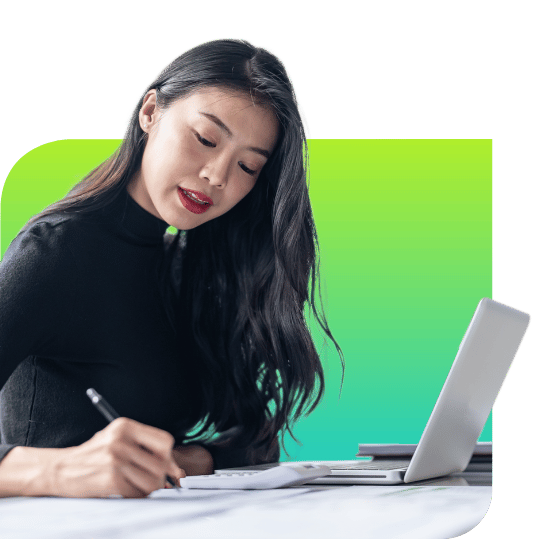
x=148, y=112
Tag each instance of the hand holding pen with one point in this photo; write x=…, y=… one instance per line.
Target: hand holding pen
x=145, y=450
x=126, y=459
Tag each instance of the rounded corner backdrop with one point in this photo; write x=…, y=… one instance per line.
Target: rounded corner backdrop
x=405, y=237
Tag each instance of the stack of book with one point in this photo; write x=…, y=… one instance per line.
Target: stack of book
x=481, y=460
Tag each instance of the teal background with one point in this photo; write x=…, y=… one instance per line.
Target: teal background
x=364, y=70
x=405, y=240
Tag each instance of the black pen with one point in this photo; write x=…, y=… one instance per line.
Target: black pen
x=110, y=414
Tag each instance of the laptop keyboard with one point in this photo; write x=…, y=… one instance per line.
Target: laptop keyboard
x=378, y=465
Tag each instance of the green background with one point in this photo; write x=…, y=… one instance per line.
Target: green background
x=364, y=70
x=404, y=230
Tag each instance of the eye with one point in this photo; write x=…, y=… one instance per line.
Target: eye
x=249, y=171
x=204, y=141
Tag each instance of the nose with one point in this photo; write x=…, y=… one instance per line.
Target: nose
x=216, y=172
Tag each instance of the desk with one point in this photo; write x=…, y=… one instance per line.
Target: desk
x=440, y=508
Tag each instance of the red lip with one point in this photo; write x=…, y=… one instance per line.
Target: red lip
x=192, y=206
x=200, y=195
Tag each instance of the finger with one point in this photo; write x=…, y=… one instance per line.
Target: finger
x=124, y=488
x=131, y=491
x=154, y=467
x=177, y=477
x=155, y=440
x=151, y=463
x=168, y=466
x=140, y=480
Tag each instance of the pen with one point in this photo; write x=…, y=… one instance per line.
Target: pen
x=110, y=414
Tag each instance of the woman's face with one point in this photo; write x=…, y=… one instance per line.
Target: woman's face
x=212, y=144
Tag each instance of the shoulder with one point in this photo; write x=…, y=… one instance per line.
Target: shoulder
x=48, y=228
x=37, y=274
x=42, y=247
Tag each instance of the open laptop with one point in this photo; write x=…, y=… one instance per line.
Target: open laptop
x=460, y=413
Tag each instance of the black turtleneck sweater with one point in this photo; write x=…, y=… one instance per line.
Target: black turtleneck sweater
x=80, y=308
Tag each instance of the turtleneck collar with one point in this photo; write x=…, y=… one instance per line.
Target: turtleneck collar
x=133, y=222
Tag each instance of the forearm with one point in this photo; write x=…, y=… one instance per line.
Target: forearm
x=27, y=472
x=194, y=459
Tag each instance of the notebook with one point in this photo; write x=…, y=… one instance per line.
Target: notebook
x=461, y=410
x=480, y=461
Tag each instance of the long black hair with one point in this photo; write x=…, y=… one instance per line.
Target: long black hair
x=236, y=286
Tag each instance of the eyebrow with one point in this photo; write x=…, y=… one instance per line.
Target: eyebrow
x=221, y=125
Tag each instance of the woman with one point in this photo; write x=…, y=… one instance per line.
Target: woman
x=188, y=336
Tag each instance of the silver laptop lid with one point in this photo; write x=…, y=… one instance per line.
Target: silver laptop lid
x=468, y=394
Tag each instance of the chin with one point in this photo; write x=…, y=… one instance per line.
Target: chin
x=183, y=226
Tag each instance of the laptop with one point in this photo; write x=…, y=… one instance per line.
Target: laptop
x=460, y=413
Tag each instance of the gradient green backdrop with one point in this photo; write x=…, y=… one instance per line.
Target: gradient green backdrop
x=404, y=229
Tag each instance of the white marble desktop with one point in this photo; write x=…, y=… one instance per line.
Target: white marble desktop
x=441, y=508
